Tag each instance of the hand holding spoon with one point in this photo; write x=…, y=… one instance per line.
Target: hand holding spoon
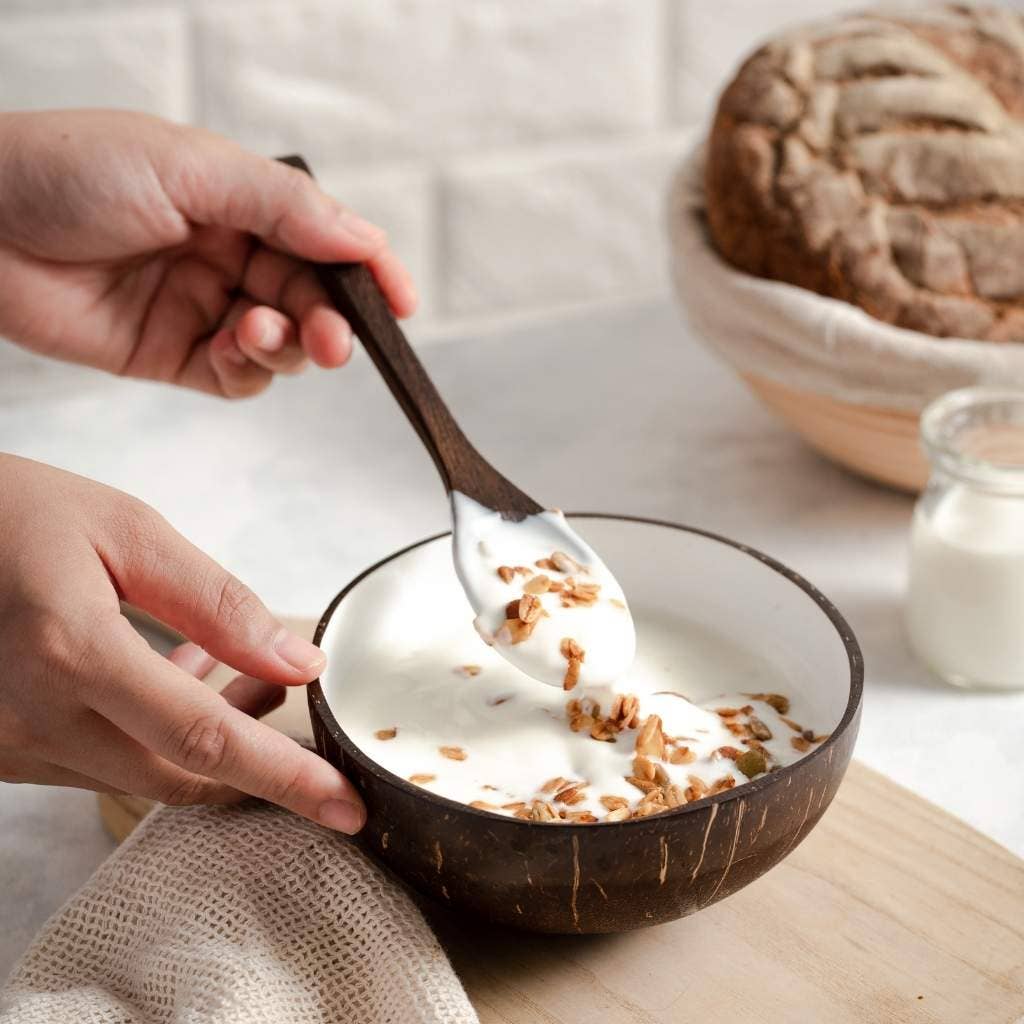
x=528, y=612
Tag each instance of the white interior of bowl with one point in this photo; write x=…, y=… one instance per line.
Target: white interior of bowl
x=663, y=570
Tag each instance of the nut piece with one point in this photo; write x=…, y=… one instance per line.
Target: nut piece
x=387, y=734
x=572, y=674
x=569, y=649
x=483, y=805
x=553, y=785
x=681, y=755
x=758, y=729
x=572, y=794
x=723, y=753
x=613, y=803
x=698, y=788
x=421, y=778
x=514, y=630
x=540, y=584
x=530, y=608
x=775, y=700
x=453, y=753
x=625, y=711
x=650, y=741
x=563, y=563
x=468, y=670
x=576, y=594
x=724, y=783
x=675, y=796
x=617, y=814
x=541, y=810
x=644, y=785
x=799, y=743
x=507, y=573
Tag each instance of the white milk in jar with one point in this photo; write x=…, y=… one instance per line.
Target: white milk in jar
x=965, y=608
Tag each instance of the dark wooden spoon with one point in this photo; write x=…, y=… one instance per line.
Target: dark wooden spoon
x=353, y=290
x=468, y=475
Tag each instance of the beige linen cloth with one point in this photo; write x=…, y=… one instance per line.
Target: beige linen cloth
x=810, y=342
x=240, y=914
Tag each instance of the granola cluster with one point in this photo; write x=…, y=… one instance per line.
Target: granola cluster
x=655, y=754
x=523, y=613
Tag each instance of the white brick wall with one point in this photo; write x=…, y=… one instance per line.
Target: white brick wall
x=516, y=150
x=137, y=59
x=602, y=202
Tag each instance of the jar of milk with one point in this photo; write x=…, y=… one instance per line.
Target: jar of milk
x=965, y=607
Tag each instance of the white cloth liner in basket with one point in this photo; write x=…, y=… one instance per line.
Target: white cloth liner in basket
x=811, y=343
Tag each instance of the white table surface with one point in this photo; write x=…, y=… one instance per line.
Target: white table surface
x=297, y=490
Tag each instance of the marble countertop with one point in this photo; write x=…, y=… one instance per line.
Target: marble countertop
x=297, y=490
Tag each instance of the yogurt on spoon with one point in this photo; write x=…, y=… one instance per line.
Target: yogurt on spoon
x=543, y=598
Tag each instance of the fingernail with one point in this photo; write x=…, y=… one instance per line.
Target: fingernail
x=342, y=816
x=300, y=654
x=362, y=229
x=271, y=338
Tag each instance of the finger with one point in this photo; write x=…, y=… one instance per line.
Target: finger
x=157, y=569
x=270, y=340
x=220, y=183
x=174, y=715
x=42, y=773
x=191, y=658
x=253, y=697
x=238, y=375
x=326, y=337
x=98, y=750
x=395, y=282
x=290, y=286
x=218, y=366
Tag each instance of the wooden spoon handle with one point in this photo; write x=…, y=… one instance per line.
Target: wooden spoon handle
x=354, y=291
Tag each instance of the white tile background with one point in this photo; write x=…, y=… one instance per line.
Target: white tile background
x=516, y=150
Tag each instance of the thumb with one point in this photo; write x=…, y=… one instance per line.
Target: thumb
x=218, y=182
x=158, y=570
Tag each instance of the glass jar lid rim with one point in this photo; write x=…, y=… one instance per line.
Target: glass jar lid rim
x=943, y=425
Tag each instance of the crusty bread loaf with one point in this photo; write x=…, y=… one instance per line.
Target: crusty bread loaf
x=879, y=158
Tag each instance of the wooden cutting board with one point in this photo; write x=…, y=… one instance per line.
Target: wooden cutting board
x=890, y=911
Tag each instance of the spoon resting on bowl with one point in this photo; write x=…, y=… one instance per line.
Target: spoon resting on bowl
x=543, y=598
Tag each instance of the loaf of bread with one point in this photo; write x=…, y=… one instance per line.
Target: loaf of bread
x=879, y=158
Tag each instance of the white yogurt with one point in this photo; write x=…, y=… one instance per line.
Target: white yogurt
x=965, y=612
x=405, y=670
x=486, y=545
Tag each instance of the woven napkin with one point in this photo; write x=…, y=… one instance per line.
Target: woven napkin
x=236, y=914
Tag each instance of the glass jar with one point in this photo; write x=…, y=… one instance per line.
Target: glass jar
x=965, y=605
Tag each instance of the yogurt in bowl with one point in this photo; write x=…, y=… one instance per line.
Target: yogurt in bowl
x=455, y=751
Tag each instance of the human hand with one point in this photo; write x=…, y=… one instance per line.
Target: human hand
x=154, y=250
x=84, y=700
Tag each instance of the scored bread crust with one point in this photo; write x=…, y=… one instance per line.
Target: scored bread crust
x=879, y=158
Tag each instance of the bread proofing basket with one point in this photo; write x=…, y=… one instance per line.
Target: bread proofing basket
x=852, y=386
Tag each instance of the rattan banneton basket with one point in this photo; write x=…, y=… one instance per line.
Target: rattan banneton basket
x=852, y=386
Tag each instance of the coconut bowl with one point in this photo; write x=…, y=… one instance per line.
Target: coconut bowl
x=612, y=877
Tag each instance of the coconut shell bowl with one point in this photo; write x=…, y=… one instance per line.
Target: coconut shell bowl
x=614, y=876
